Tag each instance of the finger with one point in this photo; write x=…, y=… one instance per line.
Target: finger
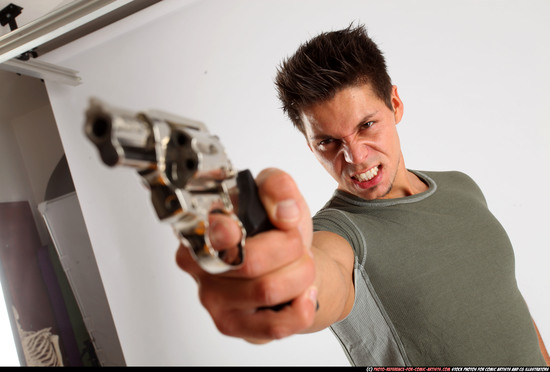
x=270, y=251
x=268, y=290
x=263, y=253
x=264, y=325
x=223, y=231
x=187, y=262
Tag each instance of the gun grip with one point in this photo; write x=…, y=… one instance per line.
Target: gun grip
x=251, y=211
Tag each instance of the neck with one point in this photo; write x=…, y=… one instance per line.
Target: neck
x=406, y=183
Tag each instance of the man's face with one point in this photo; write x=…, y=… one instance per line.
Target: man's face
x=354, y=136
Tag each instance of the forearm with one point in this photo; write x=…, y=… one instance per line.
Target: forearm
x=542, y=347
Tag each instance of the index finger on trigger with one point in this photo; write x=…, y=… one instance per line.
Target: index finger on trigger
x=223, y=231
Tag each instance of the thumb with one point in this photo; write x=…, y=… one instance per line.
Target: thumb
x=283, y=202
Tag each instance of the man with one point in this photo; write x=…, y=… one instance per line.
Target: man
x=406, y=267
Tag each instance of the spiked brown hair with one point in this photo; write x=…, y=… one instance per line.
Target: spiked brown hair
x=325, y=65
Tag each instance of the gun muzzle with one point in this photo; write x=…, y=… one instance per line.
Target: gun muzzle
x=121, y=137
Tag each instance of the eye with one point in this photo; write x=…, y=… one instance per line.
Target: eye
x=368, y=124
x=326, y=143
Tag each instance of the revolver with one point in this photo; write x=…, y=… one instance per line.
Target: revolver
x=187, y=172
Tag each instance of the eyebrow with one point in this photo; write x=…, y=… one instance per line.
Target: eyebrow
x=368, y=117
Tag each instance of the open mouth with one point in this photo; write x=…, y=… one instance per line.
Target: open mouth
x=366, y=176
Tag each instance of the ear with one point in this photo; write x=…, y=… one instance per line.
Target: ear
x=397, y=105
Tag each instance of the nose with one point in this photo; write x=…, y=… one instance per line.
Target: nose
x=354, y=152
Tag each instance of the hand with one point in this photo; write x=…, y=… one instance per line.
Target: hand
x=278, y=268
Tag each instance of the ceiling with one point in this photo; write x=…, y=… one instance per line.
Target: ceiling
x=14, y=89
x=35, y=9
x=32, y=9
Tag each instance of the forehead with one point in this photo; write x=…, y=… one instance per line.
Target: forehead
x=348, y=108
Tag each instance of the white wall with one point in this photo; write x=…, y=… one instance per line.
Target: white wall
x=30, y=147
x=36, y=133
x=14, y=183
x=38, y=141
x=474, y=80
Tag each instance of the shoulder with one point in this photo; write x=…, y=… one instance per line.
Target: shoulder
x=447, y=176
x=342, y=224
x=455, y=182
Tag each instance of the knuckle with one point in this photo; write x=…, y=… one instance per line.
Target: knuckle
x=295, y=240
x=310, y=270
x=205, y=299
x=226, y=325
x=281, y=181
x=251, y=269
x=266, y=291
x=275, y=180
x=254, y=261
x=277, y=331
x=209, y=299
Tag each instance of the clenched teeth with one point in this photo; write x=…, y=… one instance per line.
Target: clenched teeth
x=367, y=176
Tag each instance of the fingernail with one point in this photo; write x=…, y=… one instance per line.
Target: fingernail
x=313, y=297
x=216, y=233
x=287, y=211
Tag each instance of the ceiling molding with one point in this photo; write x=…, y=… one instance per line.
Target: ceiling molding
x=66, y=24
x=57, y=28
x=94, y=25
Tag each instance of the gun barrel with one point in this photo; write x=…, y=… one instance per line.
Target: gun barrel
x=121, y=137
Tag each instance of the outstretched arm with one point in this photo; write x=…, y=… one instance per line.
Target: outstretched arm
x=287, y=265
x=542, y=347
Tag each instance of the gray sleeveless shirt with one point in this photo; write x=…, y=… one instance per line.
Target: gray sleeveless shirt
x=434, y=279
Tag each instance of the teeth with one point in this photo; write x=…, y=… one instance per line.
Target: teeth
x=367, y=176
